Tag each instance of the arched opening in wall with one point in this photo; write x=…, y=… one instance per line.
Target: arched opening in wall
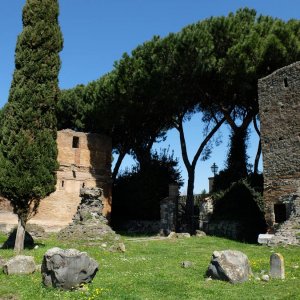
x=75, y=142
x=280, y=212
x=62, y=186
x=285, y=80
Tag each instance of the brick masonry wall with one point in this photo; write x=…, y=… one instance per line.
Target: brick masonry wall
x=279, y=102
x=86, y=165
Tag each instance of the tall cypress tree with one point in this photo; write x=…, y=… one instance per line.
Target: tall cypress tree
x=28, y=152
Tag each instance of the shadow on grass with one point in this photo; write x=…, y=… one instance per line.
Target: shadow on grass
x=133, y=234
x=28, y=242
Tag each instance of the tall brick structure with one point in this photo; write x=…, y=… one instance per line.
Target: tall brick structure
x=279, y=102
x=84, y=161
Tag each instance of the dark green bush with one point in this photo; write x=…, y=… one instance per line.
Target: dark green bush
x=244, y=204
x=137, y=192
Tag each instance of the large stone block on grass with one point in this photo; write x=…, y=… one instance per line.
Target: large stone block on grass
x=67, y=269
x=19, y=264
x=277, y=266
x=265, y=238
x=229, y=265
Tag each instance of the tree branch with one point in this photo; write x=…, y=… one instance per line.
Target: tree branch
x=229, y=120
x=257, y=157
x=255, y=126
x=247, y=120
x=206, y=140
x=118, y=164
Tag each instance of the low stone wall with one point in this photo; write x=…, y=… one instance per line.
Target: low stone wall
x=140, y=226
x=226, y=228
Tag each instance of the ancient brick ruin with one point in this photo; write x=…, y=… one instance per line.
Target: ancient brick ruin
x=279, y=101
x=84, y=161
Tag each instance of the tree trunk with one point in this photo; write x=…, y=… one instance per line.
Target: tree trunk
x=191, y=168
x=258, y=153
x=237, y=156
x=143, y=153
x=20, y=236
x=190, y=202
x=257, y=157
x=118, y=164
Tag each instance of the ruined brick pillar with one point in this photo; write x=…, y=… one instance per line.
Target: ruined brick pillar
x=279, y=110
x=168, y=211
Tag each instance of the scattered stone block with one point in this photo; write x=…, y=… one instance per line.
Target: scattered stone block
x=19, y=265
x=67, y=269
x=172, y=235
x=265, y=238
x=229, y=265
x=257, y=278
x=183, y=235
x=277, y=266
x=121, y=247
x=186, y=264
x=200, y=233
x=265, y=278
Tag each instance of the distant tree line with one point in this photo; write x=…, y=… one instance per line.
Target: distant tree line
x=211, y=67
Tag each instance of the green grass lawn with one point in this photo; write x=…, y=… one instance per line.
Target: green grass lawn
x=152, y=270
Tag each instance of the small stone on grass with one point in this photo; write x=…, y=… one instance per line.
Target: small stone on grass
x=186, y=264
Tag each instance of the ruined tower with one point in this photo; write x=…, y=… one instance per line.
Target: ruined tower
x=279, y=102
x=84, y=161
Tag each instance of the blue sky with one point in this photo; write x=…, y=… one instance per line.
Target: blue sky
x=97, y=32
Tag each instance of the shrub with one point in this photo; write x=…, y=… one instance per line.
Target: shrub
x=137, y=192
x=244, y=204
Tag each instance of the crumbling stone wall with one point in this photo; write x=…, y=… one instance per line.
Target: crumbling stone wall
x=90, y=225
x=279, y=102
x=206, y=208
